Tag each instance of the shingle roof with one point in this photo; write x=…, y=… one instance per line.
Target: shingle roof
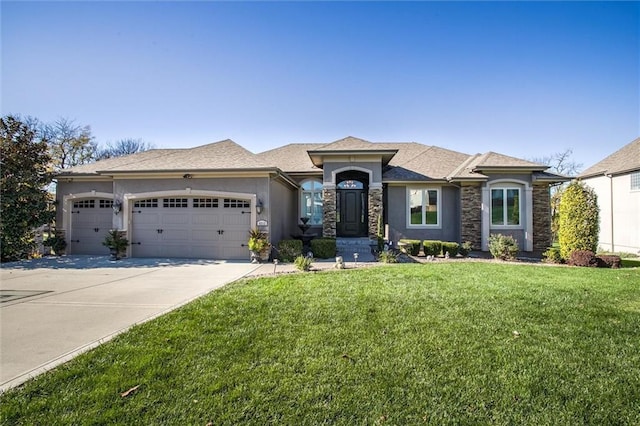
x=293, y=157
x=223, y=155
x=626, y=159
x=408, y=161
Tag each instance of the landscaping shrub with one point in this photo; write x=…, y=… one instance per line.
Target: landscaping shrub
x=288, y=250
x=411, y=247
x=303, y=263
x=583, y=258
x=388, y=256
x=578, y=222
x=323, y=248
x=450, y=247
x=465, y=248
x=552, y=255
x=503, y=247
x=432, y=247
x=609, y=261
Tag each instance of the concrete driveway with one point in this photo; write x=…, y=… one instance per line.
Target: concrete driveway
x=52, y=309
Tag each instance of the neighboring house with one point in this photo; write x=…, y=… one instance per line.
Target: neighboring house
x=616, y=181
x=201, y=202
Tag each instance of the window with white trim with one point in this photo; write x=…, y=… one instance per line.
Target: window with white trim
x=146, y=203
x=423, y=207
x=106, y=204
x=205, y=203
x=174, y=203
x=84, y=204
x=505, y=206
x=635, y=181
x=232, y=203
x=311, y=201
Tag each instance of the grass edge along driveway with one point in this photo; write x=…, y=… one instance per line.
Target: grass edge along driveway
x=451, y=343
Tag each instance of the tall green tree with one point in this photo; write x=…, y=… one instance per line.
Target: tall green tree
x=24, y=200
x=579, y=223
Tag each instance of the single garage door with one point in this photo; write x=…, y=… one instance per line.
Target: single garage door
x=198, y=227
x=91, y=219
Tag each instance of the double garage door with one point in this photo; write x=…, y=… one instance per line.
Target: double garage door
x=91, y=219
x=190, y=227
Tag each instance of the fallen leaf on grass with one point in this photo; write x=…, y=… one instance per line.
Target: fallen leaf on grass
x=130, y=391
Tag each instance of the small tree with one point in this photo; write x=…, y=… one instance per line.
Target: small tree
x=23, y=197
x=578, y=224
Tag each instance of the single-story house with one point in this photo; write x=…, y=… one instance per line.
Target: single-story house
x=201, y=202
x=616, y=181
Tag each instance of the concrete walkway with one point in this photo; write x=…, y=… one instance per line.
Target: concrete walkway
x=52, y=309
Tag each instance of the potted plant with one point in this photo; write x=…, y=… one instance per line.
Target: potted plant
x=57, y=244
x=258, y=246
x=116, y=242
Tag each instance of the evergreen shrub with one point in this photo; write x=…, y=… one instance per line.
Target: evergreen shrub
x=323, y=248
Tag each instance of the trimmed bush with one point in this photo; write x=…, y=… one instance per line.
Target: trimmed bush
x=584, y=258
x=288, y=250
x=503, y=247
x=552, y=255
x=411, y=247
x=450, y=247
x=578, y=222
x=432, y=247
x=465, y=248
x=609, y=261
x=323, y=248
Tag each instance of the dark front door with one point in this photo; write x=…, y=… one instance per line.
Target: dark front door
x=351, y=220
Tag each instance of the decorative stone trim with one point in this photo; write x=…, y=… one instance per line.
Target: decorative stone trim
x=375, y=209
x=329, y=212
x=542, y=237
x=471, y=215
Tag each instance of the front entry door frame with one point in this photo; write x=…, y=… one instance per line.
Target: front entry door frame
x=352, y=204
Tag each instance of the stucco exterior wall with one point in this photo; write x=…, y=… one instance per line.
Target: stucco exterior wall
x=282, y=207
x=623, y=219
x=332, y=167
x=397, y=204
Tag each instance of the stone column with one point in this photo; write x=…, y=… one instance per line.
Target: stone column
x=541, y=218
x=471, y=215
x=329, y=212
x=375, y=209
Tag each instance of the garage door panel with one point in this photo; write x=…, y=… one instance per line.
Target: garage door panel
x=205, y=219
x=91, y=219
x=146, y=218
x=192, y=227
x=204, y=235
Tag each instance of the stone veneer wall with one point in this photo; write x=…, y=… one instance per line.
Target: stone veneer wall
x=471, y=215
x=375, y=209
x=541, y=218
x=329, y=213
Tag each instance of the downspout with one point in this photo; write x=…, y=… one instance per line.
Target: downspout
x=610, y=176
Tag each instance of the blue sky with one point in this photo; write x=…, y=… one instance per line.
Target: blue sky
x=522, y=78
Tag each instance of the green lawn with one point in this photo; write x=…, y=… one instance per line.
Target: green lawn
x=443, y=343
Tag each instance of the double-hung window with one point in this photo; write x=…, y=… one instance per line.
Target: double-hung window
x=311, y=201
x=423, y=207
x=505, y=206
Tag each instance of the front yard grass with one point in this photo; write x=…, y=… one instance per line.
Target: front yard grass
x=442, y=343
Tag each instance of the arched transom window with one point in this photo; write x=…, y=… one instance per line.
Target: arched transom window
x=311, y=201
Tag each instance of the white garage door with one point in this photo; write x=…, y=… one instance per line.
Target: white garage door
x=91, y=219
x=199, y=227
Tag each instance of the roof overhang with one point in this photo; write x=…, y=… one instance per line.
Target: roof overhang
x=318, y=156
x=608, y=173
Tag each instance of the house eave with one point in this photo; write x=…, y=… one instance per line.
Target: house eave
x=317, y=156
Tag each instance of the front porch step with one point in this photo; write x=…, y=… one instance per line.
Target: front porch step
x=346, y=247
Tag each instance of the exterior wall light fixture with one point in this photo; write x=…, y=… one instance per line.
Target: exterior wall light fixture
x=117, y=207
